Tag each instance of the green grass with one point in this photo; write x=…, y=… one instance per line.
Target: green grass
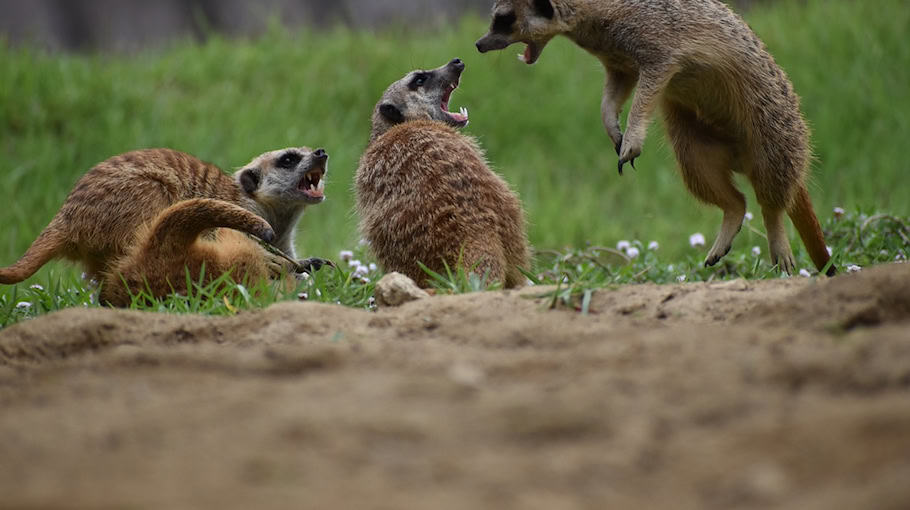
x=227, y=101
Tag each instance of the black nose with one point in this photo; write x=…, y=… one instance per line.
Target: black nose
x=320, y=154
x=457, y=63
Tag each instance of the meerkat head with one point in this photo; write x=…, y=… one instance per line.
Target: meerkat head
x=421, y=95
x=533, y=22
x=286, y=178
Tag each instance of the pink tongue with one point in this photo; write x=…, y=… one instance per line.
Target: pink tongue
x=528, y=54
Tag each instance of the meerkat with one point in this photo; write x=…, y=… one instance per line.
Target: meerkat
x=424, y=190
x=726, y=104
x=173, y=243
x=99, y=220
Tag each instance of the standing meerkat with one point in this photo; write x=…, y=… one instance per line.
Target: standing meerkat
x=100, y=218
x=424, y=190
x=727, y=105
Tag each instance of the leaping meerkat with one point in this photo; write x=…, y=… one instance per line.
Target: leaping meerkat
x=101, y=217
x=726, y=104
x=424, y=190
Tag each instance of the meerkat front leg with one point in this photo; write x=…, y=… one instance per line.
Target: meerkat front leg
x=651, y=83
x=616, y=92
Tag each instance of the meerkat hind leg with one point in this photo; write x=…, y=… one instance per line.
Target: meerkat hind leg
x=778, y=244
x=706, y=165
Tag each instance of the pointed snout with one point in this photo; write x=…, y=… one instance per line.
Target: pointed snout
x=491, y=42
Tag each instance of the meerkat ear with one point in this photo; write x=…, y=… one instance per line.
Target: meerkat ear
x=544, y=8
x=250, y=179
x=392, y=113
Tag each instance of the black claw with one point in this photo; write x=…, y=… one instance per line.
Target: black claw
x=621, y=163
x=267, y=235
x=311, y=265
x=618, y=147
x=632, y=162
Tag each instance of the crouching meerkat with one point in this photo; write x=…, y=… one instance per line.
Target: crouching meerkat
x=727, y=105
x=424, y=190
x=104, y=215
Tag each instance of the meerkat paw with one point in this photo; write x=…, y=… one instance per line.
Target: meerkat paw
x=313, y=264
x=628, y=151
x=716, y=253
x=784, y=261
x=278, y=266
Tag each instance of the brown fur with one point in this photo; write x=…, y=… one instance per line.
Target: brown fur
x=425, y=193
x=99, y=221
x=727, y=105
x=173, y=243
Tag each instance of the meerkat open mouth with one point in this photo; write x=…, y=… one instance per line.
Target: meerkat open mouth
x=531, y=54
x=459, y=119
x=313, y=183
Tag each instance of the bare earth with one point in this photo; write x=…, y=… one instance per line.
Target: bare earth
x=774, y=394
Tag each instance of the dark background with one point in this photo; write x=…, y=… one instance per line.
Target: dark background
x=125, y=25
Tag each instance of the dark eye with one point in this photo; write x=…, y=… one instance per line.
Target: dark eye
x=502, y=23
x=419, y=80
x=289, y=160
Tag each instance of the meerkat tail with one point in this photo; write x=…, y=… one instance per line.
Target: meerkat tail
x=806, y=223
x=181, y=224
x=46, y=247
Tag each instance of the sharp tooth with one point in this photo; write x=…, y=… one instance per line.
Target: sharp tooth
x=312, y=187
x=521, y=56
x=321, y=185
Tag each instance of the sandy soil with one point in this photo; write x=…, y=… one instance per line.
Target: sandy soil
x=777, y=394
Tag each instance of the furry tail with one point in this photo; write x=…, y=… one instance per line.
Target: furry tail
x=803, y=217
x=179, y=225
x=47, y=246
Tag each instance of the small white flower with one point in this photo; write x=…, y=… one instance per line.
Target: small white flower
x=632, y=252
x=853, y=268
x=565, y=279
x=748, y=216
x=304, y=276
x=318, y=293
x=756, y=251
x=303, y=296
x=345, y=255
x=883, y=253
x=839, y=212
x=361, y=271
x=653, y=246
x=697, y=239
x=670, y=268
x=23, y=305
x=36, y=287
x=363, y=242
x=354, y=263
x=804, y=273
x=681, y=278
x=623, y=245
x=373, y=267
x=899, y=256
x=830, y=251
x=364, y=280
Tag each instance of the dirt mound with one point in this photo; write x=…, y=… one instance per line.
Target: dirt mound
x=774, y=394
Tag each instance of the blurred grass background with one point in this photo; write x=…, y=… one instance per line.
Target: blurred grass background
x=229, y=100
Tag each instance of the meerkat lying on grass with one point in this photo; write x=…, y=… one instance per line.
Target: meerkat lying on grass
x=164, y=194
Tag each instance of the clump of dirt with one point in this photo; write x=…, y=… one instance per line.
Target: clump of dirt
x=770, y=394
